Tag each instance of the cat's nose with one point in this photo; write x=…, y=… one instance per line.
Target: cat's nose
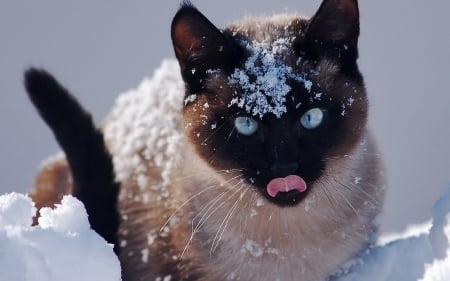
x=284, y=169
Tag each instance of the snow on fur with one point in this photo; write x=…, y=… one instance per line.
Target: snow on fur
x=263, y=79
x=139, y=122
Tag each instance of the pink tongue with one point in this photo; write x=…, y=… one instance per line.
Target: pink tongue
x=286, y=184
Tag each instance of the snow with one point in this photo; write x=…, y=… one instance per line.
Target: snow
x=419, y=254
x=254, y=249
x=263, y=79
x=140, y=127
x=61, y=247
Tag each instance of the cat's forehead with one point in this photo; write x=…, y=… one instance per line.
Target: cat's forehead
x=271, y=67
x=272, y=76
x=263, y=77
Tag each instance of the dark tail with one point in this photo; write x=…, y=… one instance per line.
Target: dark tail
x=83, y=144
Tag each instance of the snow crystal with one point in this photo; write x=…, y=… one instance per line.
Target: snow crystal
x=253, y=248
x=259, y=202
x=256, y=250
x=308, y=85
x=308, y=203
x=344, y=110
x=165, y=278
x=231, y=276
x=350, y=100
x=62, y=247
x=263, y=79
x=145, y=254
x=318, y=96
x=190, y=98
x=151, y=238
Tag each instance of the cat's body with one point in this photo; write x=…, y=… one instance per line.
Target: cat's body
x=201, y=172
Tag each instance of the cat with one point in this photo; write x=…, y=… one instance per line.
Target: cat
x=256, y=163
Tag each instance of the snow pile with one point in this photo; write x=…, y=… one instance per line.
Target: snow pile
x=439, y=270
x=62, y=247
x=417, y=256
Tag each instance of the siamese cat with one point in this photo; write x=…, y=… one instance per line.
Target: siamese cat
x=255, y=163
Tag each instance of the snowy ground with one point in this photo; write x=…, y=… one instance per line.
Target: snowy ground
x=63, y=247
x=421, y=253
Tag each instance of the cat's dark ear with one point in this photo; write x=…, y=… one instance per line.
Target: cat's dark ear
x=333, y=30
x=200, y=46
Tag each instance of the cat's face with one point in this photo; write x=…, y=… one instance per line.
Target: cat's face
x=275, y=100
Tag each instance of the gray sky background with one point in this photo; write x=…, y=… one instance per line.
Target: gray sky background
x=99, y=49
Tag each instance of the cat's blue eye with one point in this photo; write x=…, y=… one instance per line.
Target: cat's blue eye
x=312, y=118
x=245, y=125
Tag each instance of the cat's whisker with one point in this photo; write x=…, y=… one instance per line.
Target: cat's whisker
x=206, y=213
x=213, y=133
x=230, y=134
x=349, y=204
x=331, y=195
x=352, y=187
x=197, y=173
x=226, y=219
x=194, y=230
x=246, y=209
x=325, y=192
x=198, y=194
x=200, y=224
x=360, y=155
x=355, y=186
x=225, y=184
x=184, y=204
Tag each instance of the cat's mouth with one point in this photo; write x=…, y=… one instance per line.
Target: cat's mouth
x=285, y=185
x=287, y=191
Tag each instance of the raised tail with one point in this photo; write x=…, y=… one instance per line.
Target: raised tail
x=90, y=162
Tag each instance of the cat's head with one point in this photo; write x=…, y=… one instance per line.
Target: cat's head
x=274, y=98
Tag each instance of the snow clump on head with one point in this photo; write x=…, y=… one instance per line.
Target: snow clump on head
x=263, y=79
